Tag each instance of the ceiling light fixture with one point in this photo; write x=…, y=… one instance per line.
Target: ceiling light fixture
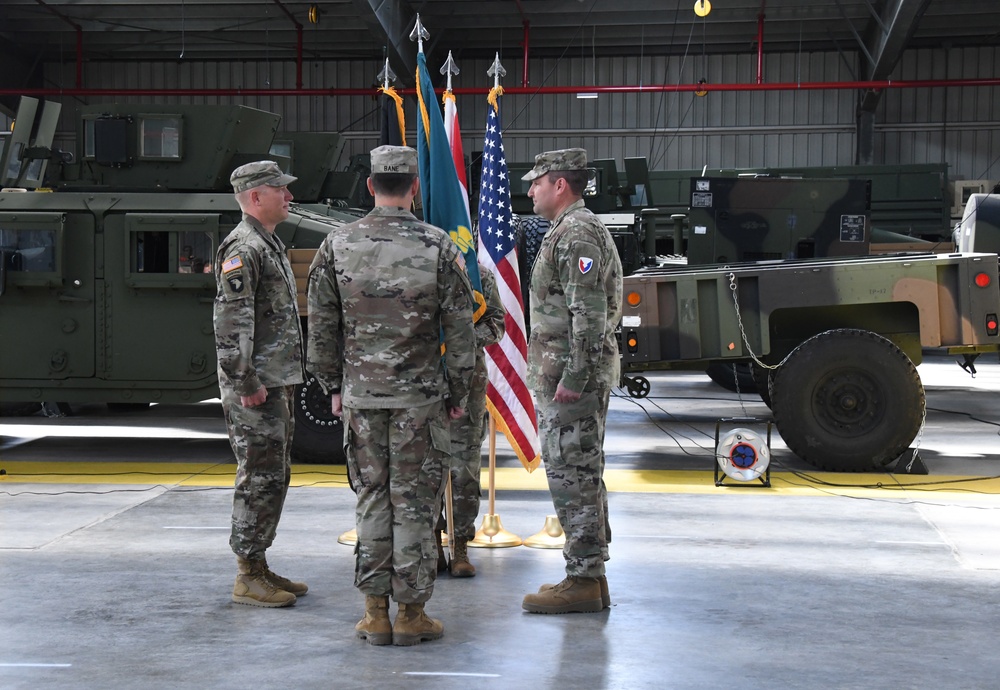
x=702, y=7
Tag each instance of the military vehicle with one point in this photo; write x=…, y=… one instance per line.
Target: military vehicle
x=106, y=284
x=832, y=341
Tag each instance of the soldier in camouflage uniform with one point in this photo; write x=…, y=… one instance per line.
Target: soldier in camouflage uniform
x=468, y=433
x=383, y=292
x=576, y=298
x=258, y=339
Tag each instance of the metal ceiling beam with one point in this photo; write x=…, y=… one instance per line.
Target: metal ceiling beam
x=890, y=36
x=389, y=22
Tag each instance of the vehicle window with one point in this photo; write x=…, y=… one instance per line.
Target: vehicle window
x=29, y=251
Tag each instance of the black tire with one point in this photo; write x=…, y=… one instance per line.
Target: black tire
x=848, y=400
x=637, y=386
x=763, y=379
x=531, y=231
x=319, y=435
x=19, y=409
x=722, y=374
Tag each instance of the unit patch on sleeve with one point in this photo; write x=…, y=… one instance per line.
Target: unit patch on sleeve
x=586, y=263
x=232, y=263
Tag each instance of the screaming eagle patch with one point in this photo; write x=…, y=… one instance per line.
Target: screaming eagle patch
x=586, y=263
x=235, y=283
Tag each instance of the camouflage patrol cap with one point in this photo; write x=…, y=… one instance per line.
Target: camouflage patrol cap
x=394, y=159
x=563, y=159
x=255, y=174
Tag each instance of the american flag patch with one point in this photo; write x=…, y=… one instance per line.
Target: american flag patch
x=232, y=264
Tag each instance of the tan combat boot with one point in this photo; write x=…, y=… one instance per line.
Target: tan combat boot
x=375, y=627
x=296, y=588
x=605, y=592
x=413, y=626
x=572, y=595
x=460, y=566
x=253, y=587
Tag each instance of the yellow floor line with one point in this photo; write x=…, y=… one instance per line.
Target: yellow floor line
x=511, y=479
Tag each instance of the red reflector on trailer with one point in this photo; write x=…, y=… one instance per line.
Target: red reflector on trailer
x=982, y=279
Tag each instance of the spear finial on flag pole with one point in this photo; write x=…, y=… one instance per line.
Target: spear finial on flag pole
x=419, y=34
x=449, y=68
x=386, y=75
x=496, y=71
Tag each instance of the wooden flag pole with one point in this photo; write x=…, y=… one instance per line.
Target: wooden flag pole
x=492, y=534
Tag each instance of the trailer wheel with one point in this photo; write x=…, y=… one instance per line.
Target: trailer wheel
x=531, y=231
x=848, y=400
x=319, y=435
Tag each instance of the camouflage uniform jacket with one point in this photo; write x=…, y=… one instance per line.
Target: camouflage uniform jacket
x=490, y=327
x=576, y=304
x=383, y=292
x=258, y=334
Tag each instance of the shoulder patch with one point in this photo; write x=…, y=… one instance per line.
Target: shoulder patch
x=460, y=260
x=232, y=263
x=585, y=264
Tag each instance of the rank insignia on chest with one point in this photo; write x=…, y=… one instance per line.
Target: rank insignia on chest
x=232, y=263
x=586, y=263
x=235, y=282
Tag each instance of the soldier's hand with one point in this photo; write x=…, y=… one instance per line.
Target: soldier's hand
x=456, y=412
x=565, y=395
x=336, y=405
x=256, y=399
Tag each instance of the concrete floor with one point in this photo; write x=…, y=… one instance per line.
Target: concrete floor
x=823, y=581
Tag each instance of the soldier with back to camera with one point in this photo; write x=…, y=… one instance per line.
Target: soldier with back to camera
x=387, y=294
x=576, y=303
x=258, y=339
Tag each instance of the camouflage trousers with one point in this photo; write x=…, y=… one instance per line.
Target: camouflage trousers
x=261, y=438
x=572, y=439
x=467, y=436
x=396, y=459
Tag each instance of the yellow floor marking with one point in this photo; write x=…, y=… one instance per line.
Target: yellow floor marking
x=511, y=479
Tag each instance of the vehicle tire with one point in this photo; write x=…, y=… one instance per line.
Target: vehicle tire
x=19, y=409
x=722, y=374
x=319, y=435
x=763, y=380
x=848, y=400
x=127, y=407
x=531, y=231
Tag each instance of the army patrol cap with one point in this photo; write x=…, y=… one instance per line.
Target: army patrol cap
x=563, y=159
x=255, y=174
x=394, y=159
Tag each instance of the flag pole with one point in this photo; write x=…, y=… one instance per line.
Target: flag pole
x=492, y=534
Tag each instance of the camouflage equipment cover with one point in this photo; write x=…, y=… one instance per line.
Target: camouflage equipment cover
x=259, y=173
x=394, y=159
x=576, y=304
x=258, y=334
x=563, y=159
x=382, y=291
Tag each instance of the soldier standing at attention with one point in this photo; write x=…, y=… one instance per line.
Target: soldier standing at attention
x=258, y=340
x=576, y=298
x=384, y=292
x=469, y=431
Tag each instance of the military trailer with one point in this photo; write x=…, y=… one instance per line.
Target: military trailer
x=106, y=282
x=832, y=341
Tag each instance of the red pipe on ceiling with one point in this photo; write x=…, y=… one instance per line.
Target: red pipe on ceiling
x=544, y=90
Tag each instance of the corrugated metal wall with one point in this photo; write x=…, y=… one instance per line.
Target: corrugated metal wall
x=738, y=129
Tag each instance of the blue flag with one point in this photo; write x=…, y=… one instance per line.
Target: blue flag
x=440, y=190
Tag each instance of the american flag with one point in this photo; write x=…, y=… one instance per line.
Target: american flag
x=507, y=395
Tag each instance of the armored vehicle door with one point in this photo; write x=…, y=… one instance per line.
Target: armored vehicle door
x=47, y=308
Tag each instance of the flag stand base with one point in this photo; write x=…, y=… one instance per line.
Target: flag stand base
x=492, y=535
x=551, y=536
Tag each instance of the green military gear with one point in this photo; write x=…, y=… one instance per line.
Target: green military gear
x=375, y=627
x=576, y=304
x=572, y=595
x=394, y=159
x=413, y=626
x=383, y=293
x=254, y=588
x=259, y=173
x=257, y=329
x=561, y=160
